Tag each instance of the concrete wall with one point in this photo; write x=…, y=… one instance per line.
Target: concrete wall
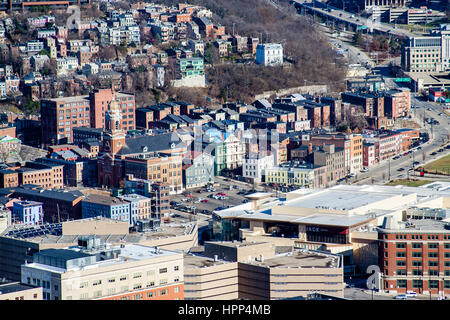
x=218, y=282
x=94, y=226
x=301, y=89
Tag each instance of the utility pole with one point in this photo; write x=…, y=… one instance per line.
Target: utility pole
x=389, y=169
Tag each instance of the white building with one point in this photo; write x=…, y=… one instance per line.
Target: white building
x=254, y=168
x=66, y=65
x=78, y=273
x=269, y=54
x=28, y=212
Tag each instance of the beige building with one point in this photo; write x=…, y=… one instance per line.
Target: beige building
x=209, y=279
x=341, y=219
x=290, y=274
x=18, y=291
x=18, y=244
x=95, y=271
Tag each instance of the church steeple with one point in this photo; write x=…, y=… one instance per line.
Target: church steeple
x=115, y=137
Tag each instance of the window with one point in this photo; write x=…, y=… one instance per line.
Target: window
x=122, y=278
x=137, y=286
x=401, y=272
x=149, y=294
x=98, y=293
x=447, y=255
x=447, y=245
x=400, y=245
x=176, y=289
x=446, y=284
x=97, y=282
x=163, y=270
x=432, y=254
x=163, y=292
x=432, y=272
x=401, y=254
x=137, y=275
x=433, y=284
x=112, y=280
x=417, y=272
x=417, y=263
x=84, y=296
x=151, y=284
x=401, y=263
x=416, y=245
x=401, y=283
x=417, y=284
x=432, y=263
x=432, y=246
x=83, y=285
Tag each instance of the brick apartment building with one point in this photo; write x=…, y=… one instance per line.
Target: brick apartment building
x=44, y=175
x=99, y=100
x=60, y=115
x=397, y=103
x=415, y=257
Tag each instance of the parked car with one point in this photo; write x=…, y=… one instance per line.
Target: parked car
x=416, y=163
x=440, y=150
x=433, y=153
x=401, y=297
x=400, y=169
x=411, y=293
x=203, y=201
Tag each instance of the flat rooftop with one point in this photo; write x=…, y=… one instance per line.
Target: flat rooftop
x=236, y=244
x=197, y=261
x=13, y=287
x=422, y=225
x=301, y=259
x=130, y=252
x=338, y=200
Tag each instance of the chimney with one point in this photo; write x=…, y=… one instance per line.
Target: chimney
x=309, y=148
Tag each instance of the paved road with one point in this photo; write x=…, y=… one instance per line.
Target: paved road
x=355, y=20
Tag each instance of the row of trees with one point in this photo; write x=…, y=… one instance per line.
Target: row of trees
x=313, y=60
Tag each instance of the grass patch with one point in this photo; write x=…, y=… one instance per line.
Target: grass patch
x=440, y=166
x=408, y=183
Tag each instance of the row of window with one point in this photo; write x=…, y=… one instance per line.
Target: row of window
x=402, y=245
x=418, y=254
x=433, y=284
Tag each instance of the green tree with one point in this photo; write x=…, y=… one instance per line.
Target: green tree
x=44, y=52
x=31, y=107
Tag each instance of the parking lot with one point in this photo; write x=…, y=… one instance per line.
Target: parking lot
x=192, y=198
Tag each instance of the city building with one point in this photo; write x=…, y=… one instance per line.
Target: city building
x=256, y=271
x=414, y=254
x=198, y=171
x=95, y=205
x=94, y=271
x=422, y=55
x=269, y=54
x=333, y=159
x=18, y=243
x=253, y=167
x=19, y=291
x=27, y=212
x=294, y=174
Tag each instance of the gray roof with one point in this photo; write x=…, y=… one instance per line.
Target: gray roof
x=157, y=143
x=49, y=194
